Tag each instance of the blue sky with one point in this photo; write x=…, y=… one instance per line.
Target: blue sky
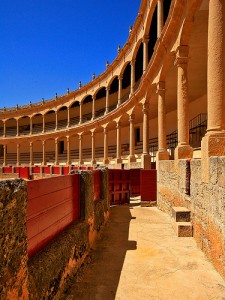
x=48, y=46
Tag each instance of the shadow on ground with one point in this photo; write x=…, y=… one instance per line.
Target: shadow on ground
x=100, y=278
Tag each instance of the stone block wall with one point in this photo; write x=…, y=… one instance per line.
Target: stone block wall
x=206, y=201
x=45, y=275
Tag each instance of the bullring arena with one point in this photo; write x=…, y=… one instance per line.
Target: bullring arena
x=158, y=107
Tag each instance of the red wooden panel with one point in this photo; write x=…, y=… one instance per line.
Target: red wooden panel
x=74, y=167
x=97, y=184
x=36, y=170
x=65, y=170
x=53, y=204
x=46, y=169
x=24, y=172
x=135, y=182
x=148, y=185
x=56, y=170
x=7, y=170
x=16, y=170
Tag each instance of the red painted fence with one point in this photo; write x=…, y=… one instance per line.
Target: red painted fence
x=97, y=185
x=53, y=204
x=148, y=186
x=119, y=186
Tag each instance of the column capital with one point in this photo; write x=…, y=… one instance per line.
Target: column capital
x=31, y=144
x=105, y=130
x=181, y=56
x=93, y=97
x=79, y=137
x=93, y=133
x=131, y=118
x=145, y=107
x=132, y=62
x=160, y=89
x=120, y=77
x=56, y=140
x=145, y=39
x=118, y=125
x=43, y=143
x=107, y=88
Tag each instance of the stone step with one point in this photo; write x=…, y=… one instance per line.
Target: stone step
x=183, y=229
x=181, y=214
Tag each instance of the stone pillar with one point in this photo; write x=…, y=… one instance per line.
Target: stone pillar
x=183, y=150
x=81, y=117
x=107, y=100
x=93, y=160
x=105, y=160
x=132, y=150
x=120, y=90
x=18, y=154
x=31, y=154
x=68, y=117
x=5, y=155
x=213, y=144
x=93, y=107
x=17, y=128
x=4, y=129
x=43, y=130
x=146, y=158
x=80, y=150
x=145, y=52
x=56, y=152
x=56, y=120
x=43, y=153
x=132, y=79
x=162, y=153
x=160, y=17
x=118, y=143
x=68, y=151
x=31, y=126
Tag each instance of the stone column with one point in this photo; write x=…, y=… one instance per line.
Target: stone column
x=132, y=79
x=31, y=154
x=213, y=144
x=31, y=126
x=4, y=129
x=106, y=159
x=56, y=152
x=18, y=154
x=132, y=150
x=93, y=160
x=146, y=158
x=120, y=90
x=81, y=117
x=145, y=52
x=162, y=153
x=93, y=107
x=107, y=100
x=80, y=150
x=68, y=151
x=43, y=153
x=56, y=120
x=183, y=150
x=17, y=128
x=68, y=117
x=5, y=155
x=160, y=17
x=43, y=130
x=118, y=143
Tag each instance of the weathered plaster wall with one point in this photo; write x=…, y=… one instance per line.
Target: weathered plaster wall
x=206, y=202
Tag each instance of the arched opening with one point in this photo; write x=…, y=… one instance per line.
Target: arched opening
x=24, y=125
x=166, y=9
x=37, y=152
x=37, y=124
x=75, y=113
x=11, y=127
x=87, y=108
x=113, y=94
x=25, y=153
x=62, y=115
x=138, y=65
x=100, y=102
x=1, y=128
x=50, y=121
x=126, y=83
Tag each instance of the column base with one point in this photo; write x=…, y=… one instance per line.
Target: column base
x=146, y=161
x=213, y=144
x=118, y=160
x=183, y=151
x=80, y=162
x=68, y=163
x=93, y=162
x=106, y=161
x=162, y=155
x=131, y=159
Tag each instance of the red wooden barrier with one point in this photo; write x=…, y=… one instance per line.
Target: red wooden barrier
x=55, y=170
x=148, y=185
x=119, y=182
x=65, y=170
x=36, y=170
x=53, y=204
x=135, y=182
x=7, y=170
x=46, y=169
x=16, y=170
x=97, y=185
x=24, y=172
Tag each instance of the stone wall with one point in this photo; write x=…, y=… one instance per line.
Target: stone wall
x=45, y=275
x=206, y=201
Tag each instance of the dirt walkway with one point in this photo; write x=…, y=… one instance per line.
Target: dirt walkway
x=140, y=257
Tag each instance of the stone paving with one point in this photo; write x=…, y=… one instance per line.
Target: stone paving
x=140, y=257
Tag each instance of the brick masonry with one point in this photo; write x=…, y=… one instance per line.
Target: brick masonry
x=206, y=201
